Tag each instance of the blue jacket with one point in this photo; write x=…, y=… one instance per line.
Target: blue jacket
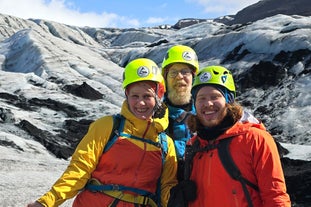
x=178, y=129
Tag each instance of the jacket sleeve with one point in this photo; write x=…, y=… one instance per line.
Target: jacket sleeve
x=83, y=162
x=269, y=172
x=168, y=178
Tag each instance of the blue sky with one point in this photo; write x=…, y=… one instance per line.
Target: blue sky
x=121, y=13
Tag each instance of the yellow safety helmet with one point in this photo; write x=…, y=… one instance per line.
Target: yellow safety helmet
x=143, y=69
x=214, y=75
x=180, y=54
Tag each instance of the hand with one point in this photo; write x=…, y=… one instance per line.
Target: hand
x=35, y=204
x=182, y=193
x=189, y=189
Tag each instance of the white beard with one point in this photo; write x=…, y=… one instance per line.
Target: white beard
x=179, y=98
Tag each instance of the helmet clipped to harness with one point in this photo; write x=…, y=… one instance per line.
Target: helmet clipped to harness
x=219, y=77
x=143, y=69
x=180, y=54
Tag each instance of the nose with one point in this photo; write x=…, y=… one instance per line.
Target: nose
x=141, y=101
x=208, y=102
x=179, y=75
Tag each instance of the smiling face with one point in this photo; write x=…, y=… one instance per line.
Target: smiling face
x=141, y=99
x=211, y=106
x=179, y=82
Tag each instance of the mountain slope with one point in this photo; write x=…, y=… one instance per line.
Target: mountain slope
x=270, y=59
x=268, y=8
x=56, y=79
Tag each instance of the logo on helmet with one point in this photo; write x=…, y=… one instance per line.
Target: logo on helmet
x=205, y=77
x=155, y=70
x=224, y=78
x=143, y=71
x=188, y=56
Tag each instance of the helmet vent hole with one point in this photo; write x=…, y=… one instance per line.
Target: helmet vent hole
x=215, y=72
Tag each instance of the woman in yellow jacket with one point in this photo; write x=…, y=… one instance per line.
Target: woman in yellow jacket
x=135, y=171
x=252, y=149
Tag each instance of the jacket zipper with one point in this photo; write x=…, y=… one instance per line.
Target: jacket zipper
x=210, y=156
x=145, y=148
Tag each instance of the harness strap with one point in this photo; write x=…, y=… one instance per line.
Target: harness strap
x=137, y=199
x=117, y=192
x=114, y=203
x=95, y=185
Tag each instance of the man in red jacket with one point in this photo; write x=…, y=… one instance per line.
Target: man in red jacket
x=252, y=149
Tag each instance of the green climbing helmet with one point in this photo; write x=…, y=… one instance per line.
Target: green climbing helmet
x=143, y=69
x=216, y=75
x=181, y=54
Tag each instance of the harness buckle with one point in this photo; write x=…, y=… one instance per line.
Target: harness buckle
x=115, y=187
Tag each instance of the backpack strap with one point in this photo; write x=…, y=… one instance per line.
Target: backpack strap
x=118, y=125
x=190, y=152
x=164, y=145
x=229, y=165
x=232, y=169
x=226, y=160
x=117, y=130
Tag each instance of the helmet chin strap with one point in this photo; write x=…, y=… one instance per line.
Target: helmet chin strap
x=159, y=108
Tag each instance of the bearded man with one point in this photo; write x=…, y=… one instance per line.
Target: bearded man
x=179, y=67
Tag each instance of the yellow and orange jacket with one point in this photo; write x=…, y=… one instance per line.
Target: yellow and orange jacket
x=255, y=153
x=128, y=162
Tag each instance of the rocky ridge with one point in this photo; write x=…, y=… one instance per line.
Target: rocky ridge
x=54, y=49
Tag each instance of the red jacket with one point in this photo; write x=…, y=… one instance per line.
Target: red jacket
x=255, y=153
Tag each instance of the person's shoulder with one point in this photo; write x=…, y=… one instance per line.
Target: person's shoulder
x=104, y=118
x=249, y=126
x=256, y=131
x=103, y=121
x=247, y=130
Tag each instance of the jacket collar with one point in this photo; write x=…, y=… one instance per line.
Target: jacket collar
x=158, y=125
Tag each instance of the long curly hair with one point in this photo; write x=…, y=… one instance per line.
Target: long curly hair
x=234, y=113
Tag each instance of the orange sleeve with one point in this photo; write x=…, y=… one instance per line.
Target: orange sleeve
x=267, y=162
